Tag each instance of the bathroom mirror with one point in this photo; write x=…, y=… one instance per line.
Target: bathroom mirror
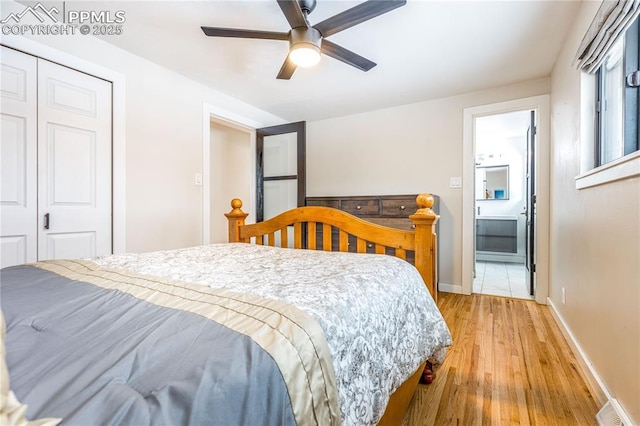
x=492, y=182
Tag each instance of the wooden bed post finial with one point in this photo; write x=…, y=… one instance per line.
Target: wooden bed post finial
x=236, y=219
x=425, y=202
x=424, y=221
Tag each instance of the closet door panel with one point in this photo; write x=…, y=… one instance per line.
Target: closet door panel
x=71, y=172
x=71, y=245
x=18, y=158
x=74, y=149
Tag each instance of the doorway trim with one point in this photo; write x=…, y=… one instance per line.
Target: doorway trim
x=221, y=116
x=541, y=104
x=118, y=123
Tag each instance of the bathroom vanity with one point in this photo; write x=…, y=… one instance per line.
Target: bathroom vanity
x=496, y=238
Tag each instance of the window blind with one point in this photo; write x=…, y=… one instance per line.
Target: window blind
x=613, y=18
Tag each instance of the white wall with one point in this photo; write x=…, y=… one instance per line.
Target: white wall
x=512, y=152
x=404, y=150
x=595, y=241
x=163, y=138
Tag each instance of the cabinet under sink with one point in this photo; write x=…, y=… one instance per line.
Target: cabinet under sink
x=497, y=234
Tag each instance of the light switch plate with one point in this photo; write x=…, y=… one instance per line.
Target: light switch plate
x=198, y=179
x=455, y=182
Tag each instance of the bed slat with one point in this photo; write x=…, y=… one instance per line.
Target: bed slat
x=380, y=249
x=284, y=237
x=401, y=253
x=297, y=235
x=326, y=237
x=344, y=241
x=311, y=235
x=361, y=246
x=272, y=239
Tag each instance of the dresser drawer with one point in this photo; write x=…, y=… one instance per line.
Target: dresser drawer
x=324, y=203
x=361, y=207
x=400, y=207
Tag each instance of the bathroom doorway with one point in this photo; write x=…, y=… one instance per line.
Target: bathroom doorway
x=503, y=196
x=541, y=177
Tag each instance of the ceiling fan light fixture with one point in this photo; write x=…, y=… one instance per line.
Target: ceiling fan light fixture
x=305, y=55
x=304, y=46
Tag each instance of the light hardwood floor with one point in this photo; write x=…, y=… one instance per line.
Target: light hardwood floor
x=509, y=365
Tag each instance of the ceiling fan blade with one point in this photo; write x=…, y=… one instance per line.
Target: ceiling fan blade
x=346, y=56
x=232, y=32
x=287, y=70
x=357, y=14
x=293, y=13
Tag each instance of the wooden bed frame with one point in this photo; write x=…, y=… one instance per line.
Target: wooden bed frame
x=307, y=220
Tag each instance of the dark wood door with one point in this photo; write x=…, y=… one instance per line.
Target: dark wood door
x=530, y=243
x=280, y=169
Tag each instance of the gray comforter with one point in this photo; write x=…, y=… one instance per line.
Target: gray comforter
x=104, y=350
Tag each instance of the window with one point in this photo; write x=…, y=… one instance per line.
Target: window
x=618, y=88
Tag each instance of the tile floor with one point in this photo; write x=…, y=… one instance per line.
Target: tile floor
x=501, y=279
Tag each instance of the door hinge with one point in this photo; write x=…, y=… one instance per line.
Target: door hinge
x=598, y=106
x=633, y=79
x=535, y=130
x=533, y=267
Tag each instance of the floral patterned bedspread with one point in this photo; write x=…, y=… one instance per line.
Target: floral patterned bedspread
x=378, y=318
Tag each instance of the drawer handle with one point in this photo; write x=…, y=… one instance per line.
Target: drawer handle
x=402, y=207
x=358, y=207
x=370, y=245
x=413, y=226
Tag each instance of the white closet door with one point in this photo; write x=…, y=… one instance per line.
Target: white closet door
x=74, y=163
x=18, y=159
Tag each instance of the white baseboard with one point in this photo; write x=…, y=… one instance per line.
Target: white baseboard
x=450, y=288
x=596, y=385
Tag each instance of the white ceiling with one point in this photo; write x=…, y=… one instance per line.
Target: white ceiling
x=424, y=50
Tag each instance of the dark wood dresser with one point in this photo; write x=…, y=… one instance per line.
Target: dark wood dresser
x=387, y=210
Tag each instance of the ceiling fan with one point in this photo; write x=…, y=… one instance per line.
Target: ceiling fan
x=306, y=42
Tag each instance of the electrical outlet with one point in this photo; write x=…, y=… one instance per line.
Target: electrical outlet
x=564, y=296
x=198, y=179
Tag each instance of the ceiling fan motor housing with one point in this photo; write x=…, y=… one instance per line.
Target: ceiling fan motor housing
x=301, y=36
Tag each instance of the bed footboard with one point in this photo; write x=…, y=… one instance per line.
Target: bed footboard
x=307, y=221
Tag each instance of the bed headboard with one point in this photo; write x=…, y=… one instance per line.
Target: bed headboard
x=330, y=229
x=387, y=210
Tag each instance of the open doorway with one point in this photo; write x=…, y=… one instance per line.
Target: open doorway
x=228, y=169
x=540, y=168
x=231, y=165
x=502, y=197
